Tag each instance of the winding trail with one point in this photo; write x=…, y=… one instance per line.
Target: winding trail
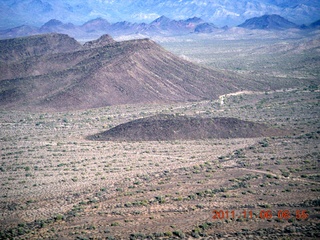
x=272, y=174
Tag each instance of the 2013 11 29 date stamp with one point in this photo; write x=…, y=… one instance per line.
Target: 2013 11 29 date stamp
x=262, y=214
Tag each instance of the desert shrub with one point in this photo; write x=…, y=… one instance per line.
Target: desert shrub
x=74, y=179
x=137, y=236
x=158, y=234
x=285, y=174
x=196, y=233
x=204, y=226
x=136, y=212
x=265, y=205
x=81, y=238
x=59, y=217
x=179, y=234
x=264, y=143
x=160, y=199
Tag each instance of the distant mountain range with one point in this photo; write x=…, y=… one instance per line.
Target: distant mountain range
x=274, y=22
x=161, y=26
x=55, y=72
x=220, y=12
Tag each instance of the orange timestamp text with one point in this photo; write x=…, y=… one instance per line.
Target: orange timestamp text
x=262, y=214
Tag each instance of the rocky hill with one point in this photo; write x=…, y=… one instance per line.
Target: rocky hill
x=65, y=75
x=268, y=22
x=21, y=48
x=171, y=127
x=102, y=41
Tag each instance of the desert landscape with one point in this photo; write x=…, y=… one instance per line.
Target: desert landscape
x=209, y=134
x=57, y=184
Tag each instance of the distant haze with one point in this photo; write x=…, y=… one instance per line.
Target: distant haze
x=220, y=12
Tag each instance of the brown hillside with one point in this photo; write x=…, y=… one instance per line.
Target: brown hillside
x=17, y=49
x=171, y=127
x=136, y=71
x=102, y=41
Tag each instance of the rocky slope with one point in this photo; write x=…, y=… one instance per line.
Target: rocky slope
x=21, y=48
x=100, y=74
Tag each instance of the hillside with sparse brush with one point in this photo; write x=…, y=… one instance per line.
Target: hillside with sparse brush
x=54, y=72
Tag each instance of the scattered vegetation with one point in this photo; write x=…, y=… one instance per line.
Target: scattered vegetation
x=55, y=184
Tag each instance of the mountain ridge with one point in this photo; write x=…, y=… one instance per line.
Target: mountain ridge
x=135, y=71
x=17, y=48
x=269, y=22
x=219, y=12
x=162, y=26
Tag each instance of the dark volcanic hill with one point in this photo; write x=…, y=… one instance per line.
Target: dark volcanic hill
x=268, y=22
x=171, y=127
x=63, y=75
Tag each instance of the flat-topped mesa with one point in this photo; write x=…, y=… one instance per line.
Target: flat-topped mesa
x=102, y=41
x=16, y=49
